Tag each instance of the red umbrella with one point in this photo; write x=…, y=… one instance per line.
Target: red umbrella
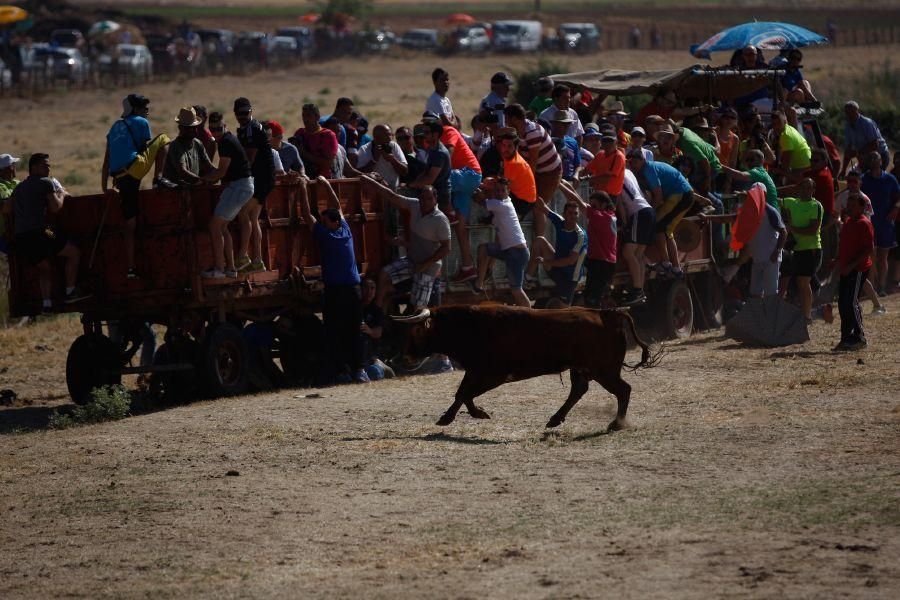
x=310, y=18
x=460, y=19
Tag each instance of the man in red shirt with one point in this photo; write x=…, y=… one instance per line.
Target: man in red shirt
x=317, y=146
x=607, y=170
x=854, y=261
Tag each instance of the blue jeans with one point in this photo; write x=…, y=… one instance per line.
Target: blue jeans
x=463, y=183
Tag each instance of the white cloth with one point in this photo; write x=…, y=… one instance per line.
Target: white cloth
x=632, y=198
x=382, y=166
x=279, y=166
x=509, y=230
x=439, y=105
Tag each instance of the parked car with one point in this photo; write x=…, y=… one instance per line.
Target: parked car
x=252, y=46
x=420, y=39
x=379, y=40
x=68, y=38
x=578, y=37
x=162, y=50
x=282, y=49
x=304, y=39
x=470, y=38
x=517, y=36
x=61, y=63
x=218, y=45
x=132, y=59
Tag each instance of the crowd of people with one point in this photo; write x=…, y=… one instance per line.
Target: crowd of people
x=610, y=185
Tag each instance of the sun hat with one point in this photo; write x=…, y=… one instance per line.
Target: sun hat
x=187, y=117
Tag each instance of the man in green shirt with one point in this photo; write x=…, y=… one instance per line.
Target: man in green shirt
x=756, y=174
x=703, y=155
x=803, y=218
x=8, y=183
x=793, y=152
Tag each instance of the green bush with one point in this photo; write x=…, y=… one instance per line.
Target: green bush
x=108, y=403
x=523, y=91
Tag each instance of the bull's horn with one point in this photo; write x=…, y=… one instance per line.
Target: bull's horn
x=416, y=318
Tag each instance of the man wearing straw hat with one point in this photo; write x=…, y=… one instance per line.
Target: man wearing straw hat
x=187, y=160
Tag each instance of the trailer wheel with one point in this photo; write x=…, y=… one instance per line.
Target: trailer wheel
x=174, y=387
x=225, y=361
x=93, y=362
x=678, y=315
x=712, y=298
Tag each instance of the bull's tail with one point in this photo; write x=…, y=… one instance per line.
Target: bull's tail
x=648, y=359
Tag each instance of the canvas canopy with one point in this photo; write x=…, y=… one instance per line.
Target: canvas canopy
x=697, y=81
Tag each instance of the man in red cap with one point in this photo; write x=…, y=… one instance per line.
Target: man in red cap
x=290, y=156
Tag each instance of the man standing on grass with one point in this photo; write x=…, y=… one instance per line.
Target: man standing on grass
x=854, y=262
x=342, y=309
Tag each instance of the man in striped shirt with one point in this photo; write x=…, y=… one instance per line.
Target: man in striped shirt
x=538, y=148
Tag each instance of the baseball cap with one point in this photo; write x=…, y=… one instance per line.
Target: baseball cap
x=508, y=132
x=276, y=128
x=501, y=77
x=639, y=131
x=429, y=116
x=419, y=130
x=241, y=103
x=7, y=160
x=608, y=132
x=133, y=101
x=544, y=84
x=562, y=116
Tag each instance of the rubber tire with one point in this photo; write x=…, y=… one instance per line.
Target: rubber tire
x=225, y=361
x=678, y=312
x=92, y=362
x=179, y=386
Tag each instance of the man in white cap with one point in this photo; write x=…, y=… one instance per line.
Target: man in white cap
x=8, y=183
x=187, y=160
x=131, y=151
x=616, y=115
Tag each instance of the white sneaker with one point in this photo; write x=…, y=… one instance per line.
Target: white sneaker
x=212, y=274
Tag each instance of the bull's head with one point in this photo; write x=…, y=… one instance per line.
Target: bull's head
x=417, y=340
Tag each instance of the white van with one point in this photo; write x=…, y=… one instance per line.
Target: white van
x=517, y=36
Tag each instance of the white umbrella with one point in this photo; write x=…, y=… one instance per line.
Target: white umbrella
x=101, y=27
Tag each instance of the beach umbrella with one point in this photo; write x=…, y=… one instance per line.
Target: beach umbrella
x=460, y=19
x=769, y=321
x=102, y=27
x=309, y=18
x=12, y=14
x=765, y=35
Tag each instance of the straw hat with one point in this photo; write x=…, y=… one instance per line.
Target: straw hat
x=617, y=108
x=187, y=117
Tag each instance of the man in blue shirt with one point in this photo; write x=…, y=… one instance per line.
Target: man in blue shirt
x=342, y=299
x=564, y=263
x=883, y=191
x=861, y=136
x=131, y=151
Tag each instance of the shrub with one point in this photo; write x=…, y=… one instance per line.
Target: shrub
x=524, y=90
x=108, y=403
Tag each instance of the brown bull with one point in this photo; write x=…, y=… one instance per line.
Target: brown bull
x=499, y=344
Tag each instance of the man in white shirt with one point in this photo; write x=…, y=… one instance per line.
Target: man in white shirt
x=510, y=246
x=438, y=102
x=383, y=156
x=562, y=98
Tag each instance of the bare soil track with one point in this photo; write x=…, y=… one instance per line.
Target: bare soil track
x=753, y=473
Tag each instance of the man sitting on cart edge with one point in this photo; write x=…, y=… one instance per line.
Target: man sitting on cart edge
x=35, y=240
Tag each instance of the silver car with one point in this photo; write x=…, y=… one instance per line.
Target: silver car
x=131, y=59
x=61, y=63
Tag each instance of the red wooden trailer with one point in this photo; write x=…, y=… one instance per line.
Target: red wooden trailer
x=204, y=318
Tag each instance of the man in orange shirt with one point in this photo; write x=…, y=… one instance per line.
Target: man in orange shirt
x=522, y=188
x=607, y=170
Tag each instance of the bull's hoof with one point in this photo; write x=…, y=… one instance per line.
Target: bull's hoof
x=615, y=425
x=555, y=421
x=445, y=419
x=479, y=413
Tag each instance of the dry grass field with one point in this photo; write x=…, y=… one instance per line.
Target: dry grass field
x=744, y=473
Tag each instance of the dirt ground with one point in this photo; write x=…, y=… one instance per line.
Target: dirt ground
x=72, y=125
x=752, y=473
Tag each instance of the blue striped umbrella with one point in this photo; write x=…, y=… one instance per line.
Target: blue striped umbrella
x=763, y=35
